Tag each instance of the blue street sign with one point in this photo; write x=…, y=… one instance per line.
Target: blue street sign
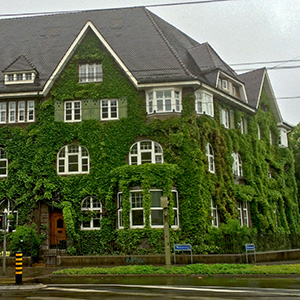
x=183, y=247
x=250, y=247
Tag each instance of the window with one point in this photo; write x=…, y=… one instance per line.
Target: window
x=73, y=159
x=243, y=213
x=137, y=216
x=283, y=139
x=21, y=111
x=237, y=165
x=210, y=158
x=224, y=84
x=3, y=112
x=20, y=78
x=72, y=111
x=258, y=132
x=204, y=103
x=90, y=73
x=271, y=137
x=145, y=152
x=214, y=214
x=225, y=118
x=91, y=209
x=12, y=112
x=3, y=163
x=30, y=111
x=162, y=101
x=243, y=125
x=109, y=109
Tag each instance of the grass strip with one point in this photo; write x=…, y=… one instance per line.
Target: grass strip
x=187, y=270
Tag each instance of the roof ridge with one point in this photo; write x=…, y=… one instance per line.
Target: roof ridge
x=168, y=43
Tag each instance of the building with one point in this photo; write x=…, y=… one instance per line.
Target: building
x=103, y=112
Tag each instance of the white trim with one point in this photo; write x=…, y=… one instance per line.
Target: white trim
x=214, y=208
x=91, y=208
x=11, y=110
x=109, y=112
x=72, y=109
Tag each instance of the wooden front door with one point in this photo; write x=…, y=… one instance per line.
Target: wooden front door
x=57, y=229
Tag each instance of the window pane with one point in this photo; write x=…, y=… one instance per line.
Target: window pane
x=168, y=105
x=160, y=106
x=137, y=217
x=155, y=198
x=157, y=217
x=146, y=157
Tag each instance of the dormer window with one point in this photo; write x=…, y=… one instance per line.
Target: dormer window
x=19, y=78
x=224, y=84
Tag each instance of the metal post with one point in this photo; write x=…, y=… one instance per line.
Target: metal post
x=4, y=240
x=167, y=238
x=19, y=267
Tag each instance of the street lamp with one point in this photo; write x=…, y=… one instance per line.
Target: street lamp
x=5, y=212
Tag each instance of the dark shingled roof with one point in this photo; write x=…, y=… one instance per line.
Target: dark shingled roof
x=151, y=49
x=253, y=82
x=20, y=64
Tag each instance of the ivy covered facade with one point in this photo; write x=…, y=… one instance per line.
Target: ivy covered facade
x=89, y=146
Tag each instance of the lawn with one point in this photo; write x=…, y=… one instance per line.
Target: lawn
x=187, y=270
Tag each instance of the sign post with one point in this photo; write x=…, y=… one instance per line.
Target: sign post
x=182, y=247
x=250, y=247
x=4, y=224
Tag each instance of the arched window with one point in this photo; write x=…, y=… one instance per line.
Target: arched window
x=73, y=159
x=237, y=165
x=145, y=152
x=91, y=210
x=210, y=158
x=3, y=163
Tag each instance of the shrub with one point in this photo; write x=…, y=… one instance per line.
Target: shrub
x=25, y=239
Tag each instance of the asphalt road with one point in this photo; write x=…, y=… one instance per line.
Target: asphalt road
x=123, y=291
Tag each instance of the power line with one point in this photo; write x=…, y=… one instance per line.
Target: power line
x=265, y=62
x=76, y=11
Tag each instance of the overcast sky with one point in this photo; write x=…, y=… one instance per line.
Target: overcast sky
x=241, y=31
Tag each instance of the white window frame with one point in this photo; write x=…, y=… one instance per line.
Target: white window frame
x=63, y=160
x=258, y=132
x=137, y=150
x=4, y=161
x=283, y=138
x=90, y=73
x=139, y=208
x=109, y=109
x=91, y=207
x=12, y=112
x=204, y=103
x=210, y=158
x=245, y=213
x=30, y=109
x=120, y=210
x=240, y=213
x=21, y=111
x=19, y=78
x=225, y=118
x=243, y=125
x=157, y=104
x=72, y=109
x=3, y=112
x=237, y=167
x=214, y=214
x=225, y=84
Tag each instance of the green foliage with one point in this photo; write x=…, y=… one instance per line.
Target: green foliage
x=33, y=177
x=25, y=239
x=187, y=270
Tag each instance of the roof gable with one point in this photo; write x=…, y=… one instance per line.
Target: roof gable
x=22, y=63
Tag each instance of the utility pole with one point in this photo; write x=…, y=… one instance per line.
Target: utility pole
x=4, y=240
x=164, y=202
